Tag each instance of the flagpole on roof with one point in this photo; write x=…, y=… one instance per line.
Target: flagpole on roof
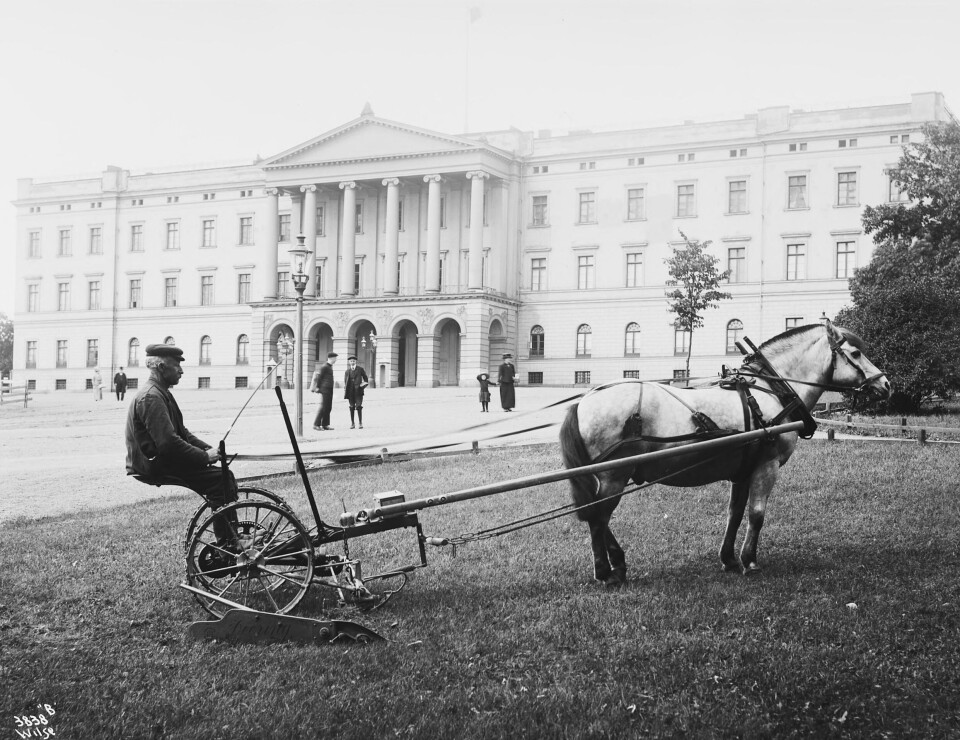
x=473, y=14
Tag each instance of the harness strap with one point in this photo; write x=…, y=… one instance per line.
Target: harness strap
x=793, y=406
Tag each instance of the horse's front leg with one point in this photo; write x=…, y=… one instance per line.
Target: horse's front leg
x=598, y=543
x=761, y=483
x=738, y=502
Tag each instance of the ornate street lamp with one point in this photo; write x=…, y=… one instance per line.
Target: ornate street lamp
x=299, y=255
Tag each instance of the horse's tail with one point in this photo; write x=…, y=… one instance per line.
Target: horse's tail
x=583, y=488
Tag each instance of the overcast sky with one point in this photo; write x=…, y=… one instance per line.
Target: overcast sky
x=149, y=83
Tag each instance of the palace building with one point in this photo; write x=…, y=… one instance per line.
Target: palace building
x=432, y=254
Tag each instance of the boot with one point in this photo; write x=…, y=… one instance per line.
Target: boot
x=352, y=425
x=360, y=416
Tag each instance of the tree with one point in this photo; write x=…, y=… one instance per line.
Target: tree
x=697, y=277
x=907, y=299
x=6, y=345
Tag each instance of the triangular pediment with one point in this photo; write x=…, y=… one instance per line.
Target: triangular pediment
x=369, y=138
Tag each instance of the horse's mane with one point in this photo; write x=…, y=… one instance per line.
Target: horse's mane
x=790, y=336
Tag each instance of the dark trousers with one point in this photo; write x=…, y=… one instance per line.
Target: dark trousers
x=209, y=483
x=323, y=413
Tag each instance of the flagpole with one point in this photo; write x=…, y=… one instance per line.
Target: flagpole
x=466, y=74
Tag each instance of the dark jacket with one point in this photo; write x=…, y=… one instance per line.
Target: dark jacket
x=120, y=381
x=157, y=441
x=322, y=378
x=354, y=382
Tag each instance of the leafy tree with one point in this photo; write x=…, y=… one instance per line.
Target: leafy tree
x=907, y=299
x=6, y=345
x=696, y=276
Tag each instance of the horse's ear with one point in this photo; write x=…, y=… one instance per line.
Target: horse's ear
x=832, y=331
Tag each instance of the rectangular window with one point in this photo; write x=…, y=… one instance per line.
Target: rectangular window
x=634, y=269
x=581, y=377
x=797, y=191
x=170, y=292
x=846, y=259
x=61, y=353
x=284, y=227
x=538, y=273
x=93, y=295
x=206, y=290
x=686, y=201
x=895, y=194
x=736, y=264
x=318, y=279
x=243, y=287
x=283, y=279
x=737, y=197
x=63, y=296
x=800, y=147
x=60, y=384
x=796, y=261
x=356, y=276
x=96, y=240
x=584, y=341
x=588, y=208
x=246, y=229
x=792, y=322
x=443, y=212
x=240, y=381
x=539, y=210
x=534, y=378
x=135, y=291
x=33, y=244
x=399, y=214
x=585, y=272
x=173, y=235
x=203, y=382
x=359, y=218
x=631, y=374
x=136, y=238
x=31, y=354
x=65, y=248
x=846, y=188
x=209, y=233
x=93, y=352
x=681, y=341
x=635, y=204
x=681, y=374
x=33, y=297
x=321, y=220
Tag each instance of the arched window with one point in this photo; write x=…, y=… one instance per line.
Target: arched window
x=133, y=353
x=205, y=344
x=584, y=340
x=631, y=345
x=243, y=350
x=734, y=331
x=536, y=341
x=170, y=340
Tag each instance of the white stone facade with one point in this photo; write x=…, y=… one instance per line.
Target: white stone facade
x=575, y=230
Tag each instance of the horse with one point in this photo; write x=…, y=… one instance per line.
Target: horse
x=783, y=379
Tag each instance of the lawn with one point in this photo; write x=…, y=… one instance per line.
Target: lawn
x=850, y=630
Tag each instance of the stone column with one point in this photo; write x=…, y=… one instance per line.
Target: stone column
x=271, y=235
x=348, y=237
x=475, y=280
x=309, y=230
x=432, y=273
x=391, y=275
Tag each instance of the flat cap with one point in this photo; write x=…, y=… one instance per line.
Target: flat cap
x=351, y=357
x=508, y=356
x=165, y=350
x=332, y=354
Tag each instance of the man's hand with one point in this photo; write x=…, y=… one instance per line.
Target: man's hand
x=213, y=455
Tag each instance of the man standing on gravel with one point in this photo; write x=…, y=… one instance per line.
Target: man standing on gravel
x=322, y=383
x=158, y=444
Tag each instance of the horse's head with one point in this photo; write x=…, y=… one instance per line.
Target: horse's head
x=850, y=367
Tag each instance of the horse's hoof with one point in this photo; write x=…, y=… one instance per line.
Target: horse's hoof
x=616, y=580
x=750, y=568
x=728, y=567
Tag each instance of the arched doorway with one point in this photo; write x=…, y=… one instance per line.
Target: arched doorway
x=406, y=333
x=448, y=353
x=321, y=337
x=281, y=338
x=365, y=348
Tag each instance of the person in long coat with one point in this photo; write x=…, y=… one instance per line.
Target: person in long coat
x=120, y=384
x=354, y=383
x=485, y=384
x=505, y=379
x=322, y=383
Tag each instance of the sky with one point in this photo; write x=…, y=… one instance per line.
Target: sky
x=144, y=84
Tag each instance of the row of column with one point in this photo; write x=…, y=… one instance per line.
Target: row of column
x=348, y=236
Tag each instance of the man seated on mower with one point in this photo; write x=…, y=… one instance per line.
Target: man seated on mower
x=160, y=449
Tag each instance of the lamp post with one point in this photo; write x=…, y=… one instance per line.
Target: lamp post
x=299, y=256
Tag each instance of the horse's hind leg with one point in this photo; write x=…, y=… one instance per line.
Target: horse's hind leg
x=738, y=502
x=618, y=560
x=598, y=543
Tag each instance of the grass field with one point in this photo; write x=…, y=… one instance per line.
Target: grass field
x=850, y=630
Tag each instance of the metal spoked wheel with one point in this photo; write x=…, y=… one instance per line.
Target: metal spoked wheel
x=253, y=553
x=244, y=493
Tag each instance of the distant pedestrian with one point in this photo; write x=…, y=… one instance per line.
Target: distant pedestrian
x=505, y=379
x=97, y=385
x=120, y=384
x=485, y=384
x=322, y=383
x=354, y=383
